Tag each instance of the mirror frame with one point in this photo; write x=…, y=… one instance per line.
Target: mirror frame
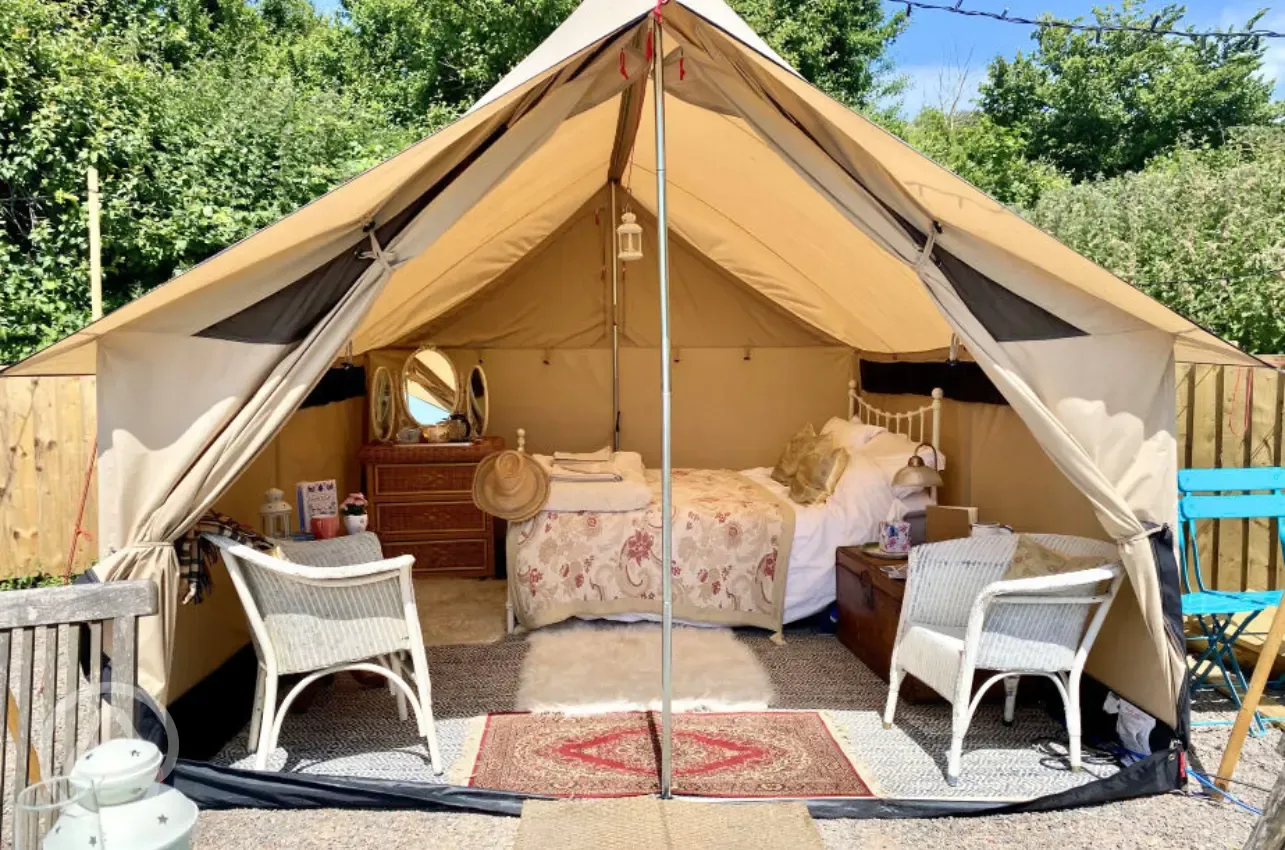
x=382, y=378
x=403, y=405
x=479, y=426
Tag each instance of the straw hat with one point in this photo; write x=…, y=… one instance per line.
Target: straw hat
x=511, y=485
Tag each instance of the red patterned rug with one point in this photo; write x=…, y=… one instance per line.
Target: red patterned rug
x=768, y=754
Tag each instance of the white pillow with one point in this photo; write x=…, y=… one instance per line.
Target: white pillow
x=890, y=452
x=852, y=435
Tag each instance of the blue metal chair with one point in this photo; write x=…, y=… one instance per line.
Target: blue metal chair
x=1216, y=610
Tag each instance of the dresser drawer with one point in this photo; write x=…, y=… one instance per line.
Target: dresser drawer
x=445, y=557
x=456, y=519
x=421, y=479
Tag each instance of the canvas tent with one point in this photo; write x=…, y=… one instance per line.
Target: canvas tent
x=800, y=231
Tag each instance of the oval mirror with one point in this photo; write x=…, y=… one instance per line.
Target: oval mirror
x=479, y=401
x=430, y=387
x=383, y=417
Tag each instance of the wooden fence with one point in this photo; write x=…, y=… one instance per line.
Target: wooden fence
x=1232, y=417
x=47, y=428
x=1226, y=417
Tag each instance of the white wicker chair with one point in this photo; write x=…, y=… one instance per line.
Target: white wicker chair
x=335, y=605
x=959, y=616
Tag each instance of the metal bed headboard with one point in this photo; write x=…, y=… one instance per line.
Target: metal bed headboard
x=914, y=424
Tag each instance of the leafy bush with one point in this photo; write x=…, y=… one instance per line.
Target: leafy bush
x=30, y=582
x=1191, y=215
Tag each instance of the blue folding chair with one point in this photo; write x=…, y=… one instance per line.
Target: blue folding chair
x=1216, y=610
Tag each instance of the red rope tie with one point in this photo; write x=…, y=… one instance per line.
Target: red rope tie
x=659, y=15
x=624, y=71
x=682, y=67
x=650, y=47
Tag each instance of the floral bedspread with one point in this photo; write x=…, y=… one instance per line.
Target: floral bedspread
x=731, y=553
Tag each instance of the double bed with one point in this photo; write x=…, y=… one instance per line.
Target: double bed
x=744, y=554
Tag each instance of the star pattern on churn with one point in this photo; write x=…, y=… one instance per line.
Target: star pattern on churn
x=162, y=820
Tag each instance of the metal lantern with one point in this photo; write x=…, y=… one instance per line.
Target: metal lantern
x=274, y=516
x=629, y=238
x=134, y=809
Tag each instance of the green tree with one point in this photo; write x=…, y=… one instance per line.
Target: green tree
x=985, y=154
x=1200, y=230
x=840, y=46
x=1104, y=104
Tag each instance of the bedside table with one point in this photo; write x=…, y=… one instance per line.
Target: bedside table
x=869, y=611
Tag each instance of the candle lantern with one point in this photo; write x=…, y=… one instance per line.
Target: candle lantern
x=629, y=238
x=274, y=516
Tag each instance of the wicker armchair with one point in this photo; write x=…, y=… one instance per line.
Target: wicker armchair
x=334, y=605
x=959, y=616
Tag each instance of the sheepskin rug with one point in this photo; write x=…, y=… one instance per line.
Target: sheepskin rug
x=604, y=668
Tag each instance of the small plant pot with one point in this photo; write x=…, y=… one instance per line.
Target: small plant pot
x=355, y=523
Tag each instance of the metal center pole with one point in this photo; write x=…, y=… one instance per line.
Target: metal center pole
x=615, y=322
x=666, y=460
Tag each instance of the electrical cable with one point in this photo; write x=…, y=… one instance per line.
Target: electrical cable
x=1056, y=23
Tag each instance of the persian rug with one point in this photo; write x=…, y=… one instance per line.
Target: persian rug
x=770, y=754
x=616, y=667
x=457, y=611
x=645, y=823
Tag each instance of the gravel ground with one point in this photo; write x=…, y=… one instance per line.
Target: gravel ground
x=1170, y=821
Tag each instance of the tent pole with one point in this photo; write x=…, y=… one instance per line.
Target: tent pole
x=666, y=459
x=615, y=322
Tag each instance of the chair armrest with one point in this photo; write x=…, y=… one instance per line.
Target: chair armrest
x=389, y=566
x=1041, y=585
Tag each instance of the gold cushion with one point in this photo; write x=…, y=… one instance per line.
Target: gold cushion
x=819, y=472
x=1033, y=560
x=793, y=452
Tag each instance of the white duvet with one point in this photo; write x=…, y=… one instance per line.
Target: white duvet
x=850, y=517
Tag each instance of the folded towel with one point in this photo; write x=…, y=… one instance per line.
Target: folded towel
x=603, y=455
x=586, y=471
x=630, y=493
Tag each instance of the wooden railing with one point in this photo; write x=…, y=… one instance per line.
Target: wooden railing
x=53, y=710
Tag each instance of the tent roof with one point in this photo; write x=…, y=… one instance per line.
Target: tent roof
x=735, y=196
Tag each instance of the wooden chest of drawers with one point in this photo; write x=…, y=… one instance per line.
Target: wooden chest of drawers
x=421, y=504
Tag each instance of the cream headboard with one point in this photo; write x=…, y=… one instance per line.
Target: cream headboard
x=915, y=424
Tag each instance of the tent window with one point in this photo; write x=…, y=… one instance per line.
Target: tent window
x=1007, y=316
x=287, y=315
x=961, y=381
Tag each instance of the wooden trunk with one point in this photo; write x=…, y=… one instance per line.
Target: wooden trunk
x=869, y=610
x=421, y=504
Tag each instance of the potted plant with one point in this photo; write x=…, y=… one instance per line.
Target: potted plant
x=354, y=513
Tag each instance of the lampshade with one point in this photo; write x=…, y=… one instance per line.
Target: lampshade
x=916, y=473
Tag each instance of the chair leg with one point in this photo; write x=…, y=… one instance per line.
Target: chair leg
x=510, y=619
x=394, y=663
x=961, y=713
x=425, y=690
x=256, y=715
x=266, y=723
x=895, y=675
x=1073, y=720
x=1010, y=699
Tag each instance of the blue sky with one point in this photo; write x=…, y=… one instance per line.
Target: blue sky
x=937, y=45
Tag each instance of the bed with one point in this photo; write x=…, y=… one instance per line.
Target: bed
x=744, y=554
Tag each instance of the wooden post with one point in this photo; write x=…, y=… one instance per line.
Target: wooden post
x=95, y=248
x=1262, y=670
x=1269, y=832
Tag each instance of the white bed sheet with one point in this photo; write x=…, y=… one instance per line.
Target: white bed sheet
x=850, y=517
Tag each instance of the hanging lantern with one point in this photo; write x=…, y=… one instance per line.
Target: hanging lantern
x=274, y=516
x=629, y=238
